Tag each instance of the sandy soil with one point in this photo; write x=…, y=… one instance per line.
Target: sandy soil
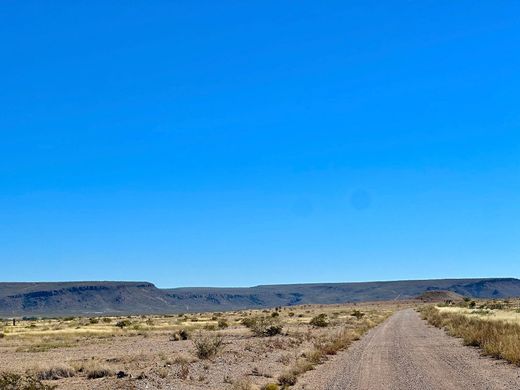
x=407, y=353
x=152, y=360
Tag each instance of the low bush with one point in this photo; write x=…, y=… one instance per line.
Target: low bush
x=10, y=381
x=222, y=324
x=98, y=371
x=319, y=321
x=263, y=326
x=287, y=378
x=54, y=373
x=123, y=323
x=358, y=314
x=208, y=346
x=182, y=334
x=270, y=386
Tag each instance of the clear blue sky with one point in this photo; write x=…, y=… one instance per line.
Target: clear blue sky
x=239, y=143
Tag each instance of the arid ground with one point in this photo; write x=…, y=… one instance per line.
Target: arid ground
x=392, y=345
x=242, y=350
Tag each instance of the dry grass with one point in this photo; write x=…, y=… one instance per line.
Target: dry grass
x=186, y=351
x=14, y=381
x=54, y=372
x=498, y=339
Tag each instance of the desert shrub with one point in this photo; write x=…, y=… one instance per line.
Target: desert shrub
x=357, y=314
x=207, y=347
x=275, y=314
x=243, y=384
x=319, y=321
x=10, y=381
x=54, y=373
x=291, y=314
x=98, y=371
x=93, y=320
x=123, y=323
x=182, y=334
x=107, y=320
x=495, y=306
x=2, y=335
x=287, y=378
x=270, y=386
x=263, y=326
x=222, y=323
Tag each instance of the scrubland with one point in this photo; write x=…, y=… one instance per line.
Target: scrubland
x=254, y=349
x=493, y=326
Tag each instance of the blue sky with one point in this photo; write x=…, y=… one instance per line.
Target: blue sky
x=240, y=143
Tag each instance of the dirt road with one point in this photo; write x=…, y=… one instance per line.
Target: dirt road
x=405, y=353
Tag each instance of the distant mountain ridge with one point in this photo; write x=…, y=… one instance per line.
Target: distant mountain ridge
x=111, y=298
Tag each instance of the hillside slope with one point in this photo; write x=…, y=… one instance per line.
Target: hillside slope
x=96, y=298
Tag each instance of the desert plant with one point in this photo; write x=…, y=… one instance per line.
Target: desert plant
x=222, y=323
x=287, y=378
x=243, y=384
x=11, y=381
x=357, y=314
x=123, y=323
x=55, y=373
x=208, y=346
x=182, y=334
x=270, y=386
x=263, y=326
x=97, y=371
x=319, y=321
x=498, y=339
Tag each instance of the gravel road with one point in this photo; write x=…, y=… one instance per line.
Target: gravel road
x=405, y=353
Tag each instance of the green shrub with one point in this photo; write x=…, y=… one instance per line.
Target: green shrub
x=319, y=321
x=207, y=346
x=270, y=386
x=222, y=323
x=263, y=326
x=123, y=323
x=358, y=314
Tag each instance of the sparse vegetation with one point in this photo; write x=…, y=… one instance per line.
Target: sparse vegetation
x=12, y=381
x=55, y=373
x=207, y=346
x=141, y=351
x=123, y=324
x=496, y=338
x=319, y=321
x=263, y=326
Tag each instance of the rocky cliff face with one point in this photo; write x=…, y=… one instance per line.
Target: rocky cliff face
x=103, y=298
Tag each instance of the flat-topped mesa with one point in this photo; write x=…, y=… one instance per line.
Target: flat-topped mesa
x=117, y=298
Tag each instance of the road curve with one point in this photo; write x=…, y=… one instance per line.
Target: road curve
x=405, y=353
